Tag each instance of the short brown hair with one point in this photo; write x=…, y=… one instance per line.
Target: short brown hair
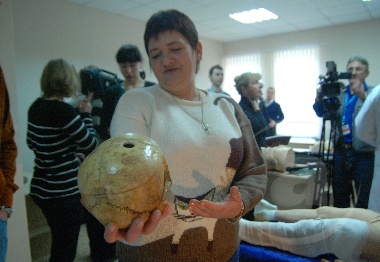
x=168, y=20
x=214, y=67
x=171, y=20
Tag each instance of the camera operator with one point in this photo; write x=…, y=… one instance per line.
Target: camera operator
x=353, y=158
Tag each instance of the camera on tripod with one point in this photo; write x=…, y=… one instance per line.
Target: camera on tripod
x=331, y=87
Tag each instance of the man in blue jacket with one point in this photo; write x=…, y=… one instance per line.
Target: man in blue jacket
x=273, y=108
x=353, y=158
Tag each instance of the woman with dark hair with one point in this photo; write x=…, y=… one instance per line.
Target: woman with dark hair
x=217, y=169
x=129, y=60
x=59, y=138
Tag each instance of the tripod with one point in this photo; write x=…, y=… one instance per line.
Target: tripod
x=335, y=144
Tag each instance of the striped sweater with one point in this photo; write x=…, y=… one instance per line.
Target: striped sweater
x=56, y=132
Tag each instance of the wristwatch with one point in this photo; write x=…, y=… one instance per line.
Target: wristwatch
x=7, y=209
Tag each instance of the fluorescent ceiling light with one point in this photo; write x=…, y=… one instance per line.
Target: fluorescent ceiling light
x=253, y=16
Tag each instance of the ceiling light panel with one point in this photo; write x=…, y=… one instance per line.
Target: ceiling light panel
x=253, y=16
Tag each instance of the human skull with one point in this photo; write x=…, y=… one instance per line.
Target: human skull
x=124, y=178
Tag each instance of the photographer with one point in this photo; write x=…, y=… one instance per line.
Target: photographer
x=353, y=158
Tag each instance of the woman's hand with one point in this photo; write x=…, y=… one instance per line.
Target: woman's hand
x=81, y=157
x=272, y=123
x=255, y=105
x=85, y=105
x=230, y=207
x=138, y=227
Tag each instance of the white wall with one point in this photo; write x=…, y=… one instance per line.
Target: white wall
x=51, y=29
x=18, y=237
x=336, y=43
x=34, y=31
x=44, y=30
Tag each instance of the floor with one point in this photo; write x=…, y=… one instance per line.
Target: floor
x=83, y=250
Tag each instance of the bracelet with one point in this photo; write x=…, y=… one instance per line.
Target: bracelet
x=237, y=218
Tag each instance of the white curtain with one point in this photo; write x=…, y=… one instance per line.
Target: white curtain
x=295, y=81
x=236, y=65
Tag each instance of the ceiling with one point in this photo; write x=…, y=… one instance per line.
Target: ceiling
x=212, y=20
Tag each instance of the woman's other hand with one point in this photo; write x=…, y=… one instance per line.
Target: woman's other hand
x=272, y=123
x=138, y=227
x=230, y=207
x=81, y=157
x=85, y=105
x=255, y=105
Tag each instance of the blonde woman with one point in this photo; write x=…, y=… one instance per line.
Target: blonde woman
x=59, y=136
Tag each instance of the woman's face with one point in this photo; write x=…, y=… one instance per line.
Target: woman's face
x=130, y=71
x=253, y=90
x=173, y=61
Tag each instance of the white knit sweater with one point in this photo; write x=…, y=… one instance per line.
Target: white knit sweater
x=202, y=166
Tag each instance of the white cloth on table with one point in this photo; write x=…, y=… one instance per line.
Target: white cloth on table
x=343, y=237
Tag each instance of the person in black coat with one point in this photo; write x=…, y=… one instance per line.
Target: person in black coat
x=250, y=89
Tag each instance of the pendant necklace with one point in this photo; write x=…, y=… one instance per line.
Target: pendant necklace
x=205, y=126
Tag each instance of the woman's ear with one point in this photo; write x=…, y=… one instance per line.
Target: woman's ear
x=244, y=90
x=199, y=51
x=198, y=58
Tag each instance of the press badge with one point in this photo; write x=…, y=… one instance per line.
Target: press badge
x=346, y=129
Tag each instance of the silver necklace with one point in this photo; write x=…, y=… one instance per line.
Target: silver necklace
x=205, y=126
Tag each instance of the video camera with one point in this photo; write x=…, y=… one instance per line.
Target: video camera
x=97, y=80
x=330, y=86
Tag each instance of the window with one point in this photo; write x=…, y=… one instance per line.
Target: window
x=295, y=80
x=295, y=77
x=236, y=65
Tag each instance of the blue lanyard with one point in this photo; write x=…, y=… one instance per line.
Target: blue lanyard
x=348, y=111
x=349, y=107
